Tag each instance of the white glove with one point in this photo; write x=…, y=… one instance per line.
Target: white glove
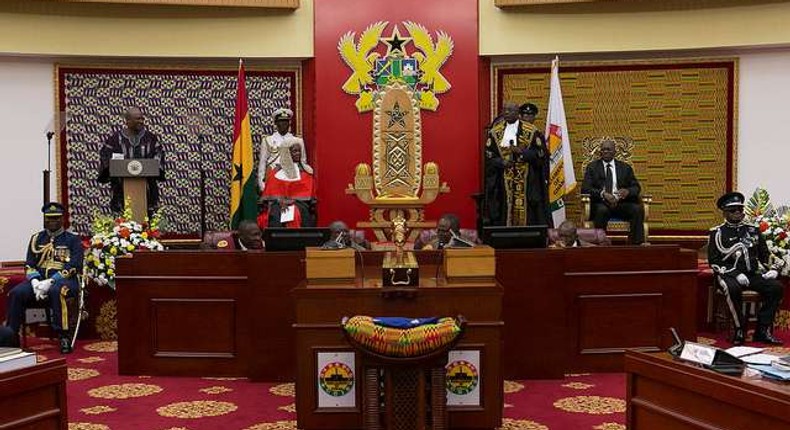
x=42, y=289
x=742, y=279
x=771, y=274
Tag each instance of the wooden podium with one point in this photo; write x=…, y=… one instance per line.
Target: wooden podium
x=333, y=380
x=134, y=173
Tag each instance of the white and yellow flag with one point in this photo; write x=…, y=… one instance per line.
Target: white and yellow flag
x=562, y=179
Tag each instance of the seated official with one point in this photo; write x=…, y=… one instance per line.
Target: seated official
x=289, y=197
x=54, y=259
x=568, y=237
x=735, y=253
x=448, y=235
x=340, y=237
x=614, y=192
x=247, y=236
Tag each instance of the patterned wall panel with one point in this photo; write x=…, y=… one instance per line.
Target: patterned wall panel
x=191, y=112
x=680, y=117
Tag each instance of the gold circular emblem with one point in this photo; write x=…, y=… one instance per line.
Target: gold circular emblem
x=217, y=389
x=134, y=168
x=96, y=410
x=222, y=244
x=511, y=424
x=336, y=379
x=111, y=346
x=284, y=390
x=609, y=426
x=124, y=391
x=87, y=426
x=196, y=409
x=278, y=425
x=577, y=385
x=513, y=387
x=591, y=405
x=78, y=373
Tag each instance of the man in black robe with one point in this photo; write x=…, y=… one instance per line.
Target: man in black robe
x=133, y=141
x=516, y=171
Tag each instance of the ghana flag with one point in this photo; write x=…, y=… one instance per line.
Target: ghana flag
x=243, y=195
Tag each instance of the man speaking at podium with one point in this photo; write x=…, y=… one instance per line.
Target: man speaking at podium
x=133, y=141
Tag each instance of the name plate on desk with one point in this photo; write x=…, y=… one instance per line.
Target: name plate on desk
x=469, y=264
x=327, y=267
x=712, y=358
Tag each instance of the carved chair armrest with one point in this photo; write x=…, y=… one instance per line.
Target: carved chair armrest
x=585, y=221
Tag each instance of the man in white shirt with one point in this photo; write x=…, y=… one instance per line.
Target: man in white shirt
x=614, y=192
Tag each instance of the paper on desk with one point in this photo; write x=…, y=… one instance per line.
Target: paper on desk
x=741, y=351
x=771, y=372
x=759, y=358
x=287, y=215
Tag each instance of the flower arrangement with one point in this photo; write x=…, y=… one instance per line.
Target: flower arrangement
x=774, y=224
x=116, y=237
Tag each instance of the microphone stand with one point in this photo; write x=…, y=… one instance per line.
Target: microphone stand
x=46, y=173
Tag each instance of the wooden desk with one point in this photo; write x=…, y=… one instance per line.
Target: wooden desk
x=221, y=313
x=34, y=397
x=318, y=315
x=663, y=393
x=579, y=309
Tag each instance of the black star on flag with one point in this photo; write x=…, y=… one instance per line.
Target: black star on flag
x=237, y=175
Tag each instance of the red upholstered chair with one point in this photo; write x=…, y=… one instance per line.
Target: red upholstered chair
x=220, y=240
x=595, y=236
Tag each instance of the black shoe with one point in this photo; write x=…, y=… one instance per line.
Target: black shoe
x=764, y=335
x=738, y=338
x=65, y=345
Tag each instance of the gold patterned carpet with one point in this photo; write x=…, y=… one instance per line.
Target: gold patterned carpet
x=100, y=399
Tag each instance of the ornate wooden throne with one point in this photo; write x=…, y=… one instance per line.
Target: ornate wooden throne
x=398, y=185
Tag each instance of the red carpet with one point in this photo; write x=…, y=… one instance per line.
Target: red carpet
x=100, y=399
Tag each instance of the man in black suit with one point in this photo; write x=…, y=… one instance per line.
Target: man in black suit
x=614, y=192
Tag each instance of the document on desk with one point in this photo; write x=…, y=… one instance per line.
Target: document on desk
x=771, y=372
x=759, y=359
x=742, y=351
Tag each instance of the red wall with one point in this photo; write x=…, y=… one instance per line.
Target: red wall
x=343, y=136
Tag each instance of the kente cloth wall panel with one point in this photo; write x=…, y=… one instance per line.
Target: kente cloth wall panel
x=191, y=111
x=679, y=115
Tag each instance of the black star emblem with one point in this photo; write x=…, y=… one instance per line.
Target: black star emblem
x=395, y=42
x=237, y=173
x=396, y=116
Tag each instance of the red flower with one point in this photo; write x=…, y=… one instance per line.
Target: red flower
x=781, y=235
x=119, y=220
x=154, y=233
x=763, y=226
x=125, y=233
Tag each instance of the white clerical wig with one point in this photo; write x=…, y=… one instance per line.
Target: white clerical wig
x=287, y=163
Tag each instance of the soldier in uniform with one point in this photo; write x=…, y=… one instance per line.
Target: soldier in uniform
x=269, y=156
x=736, y=252
x=54, y=259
